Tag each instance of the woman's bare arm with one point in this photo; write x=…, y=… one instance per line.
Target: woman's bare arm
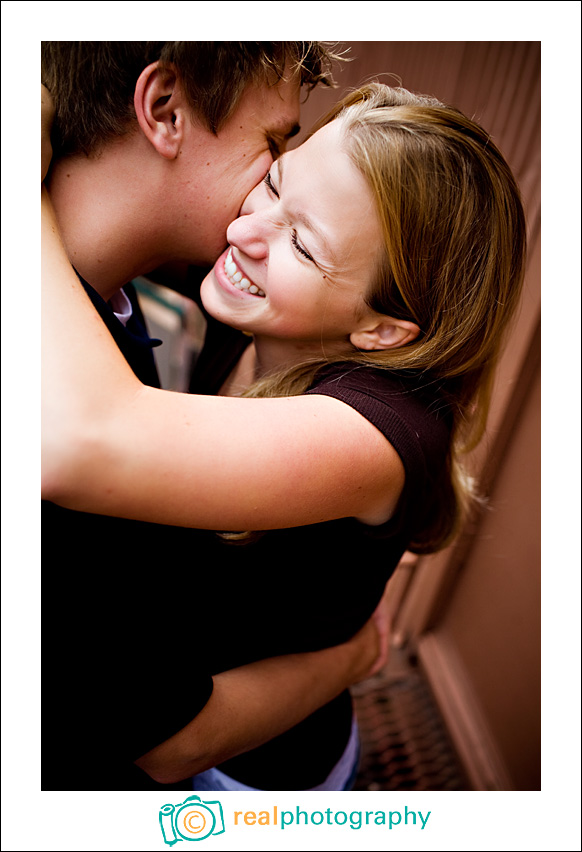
x=114, y=446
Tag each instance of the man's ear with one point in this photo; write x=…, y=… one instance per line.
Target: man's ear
x=384, y=333
x=161, y=109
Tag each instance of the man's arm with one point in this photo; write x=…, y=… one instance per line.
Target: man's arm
x=252, y=704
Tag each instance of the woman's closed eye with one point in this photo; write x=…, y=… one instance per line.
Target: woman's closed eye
x=298, y=247
x=268, y=181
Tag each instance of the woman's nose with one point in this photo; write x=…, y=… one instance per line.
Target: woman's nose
x=250, y=233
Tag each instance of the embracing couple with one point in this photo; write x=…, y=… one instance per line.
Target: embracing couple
x=213, y=560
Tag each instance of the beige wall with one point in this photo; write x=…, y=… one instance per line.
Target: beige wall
x=499, y=643
x=482, y=652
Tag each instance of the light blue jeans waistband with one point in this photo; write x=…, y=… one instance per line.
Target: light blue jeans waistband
x=341, y=777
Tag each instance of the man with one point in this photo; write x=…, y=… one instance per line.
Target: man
x=156, y=146
x=161, y=166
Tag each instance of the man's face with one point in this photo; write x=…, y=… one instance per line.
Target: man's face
x=218, y=172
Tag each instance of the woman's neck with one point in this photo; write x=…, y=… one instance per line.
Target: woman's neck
x=243, y=375
x=263, y=358
x=273, y=355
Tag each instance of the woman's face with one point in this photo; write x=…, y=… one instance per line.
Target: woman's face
x=303, y=252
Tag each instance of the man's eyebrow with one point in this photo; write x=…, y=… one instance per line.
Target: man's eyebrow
x=302, y=217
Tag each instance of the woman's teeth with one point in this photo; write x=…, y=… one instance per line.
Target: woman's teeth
x=237, y=279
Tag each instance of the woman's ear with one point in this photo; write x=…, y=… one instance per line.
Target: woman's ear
x=385, y=333
x=160, y=109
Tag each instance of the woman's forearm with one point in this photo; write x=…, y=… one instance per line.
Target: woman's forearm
x=255, y=703
x=80, y=381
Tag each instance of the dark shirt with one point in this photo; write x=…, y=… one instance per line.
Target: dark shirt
x=137, y=617
x=315, y=586
x=113, y=635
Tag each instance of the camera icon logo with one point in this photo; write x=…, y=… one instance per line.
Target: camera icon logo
x=192, y=819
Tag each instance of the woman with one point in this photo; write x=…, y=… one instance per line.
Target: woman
x=363, y=299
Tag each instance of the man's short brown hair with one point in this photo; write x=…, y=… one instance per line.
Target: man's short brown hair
x=93, y=83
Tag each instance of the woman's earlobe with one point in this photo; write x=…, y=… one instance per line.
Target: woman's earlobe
x=159, y=109
x=386, y=333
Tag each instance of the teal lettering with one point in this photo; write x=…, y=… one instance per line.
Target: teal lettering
x=283, y=815
x=301, y=813
x=380, y=818
x=424, y=821
x=345, y=816
x=408, y=813
x=319, y=814
x=392, y=818
x=356, y=823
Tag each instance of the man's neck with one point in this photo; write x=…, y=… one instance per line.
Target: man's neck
x=105, y=214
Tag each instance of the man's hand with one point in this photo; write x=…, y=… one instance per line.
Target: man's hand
x=382, y=619
x=47, y=112
x=374, y=638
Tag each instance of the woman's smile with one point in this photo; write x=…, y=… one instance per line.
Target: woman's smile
x=233, y=280
x=238, y=278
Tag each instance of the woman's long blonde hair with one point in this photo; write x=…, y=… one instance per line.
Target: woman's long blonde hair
x=454, y=256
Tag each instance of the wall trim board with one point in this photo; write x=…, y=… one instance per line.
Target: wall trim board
x=472, y=738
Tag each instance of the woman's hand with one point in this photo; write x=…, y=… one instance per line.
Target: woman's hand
x=47, y=112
